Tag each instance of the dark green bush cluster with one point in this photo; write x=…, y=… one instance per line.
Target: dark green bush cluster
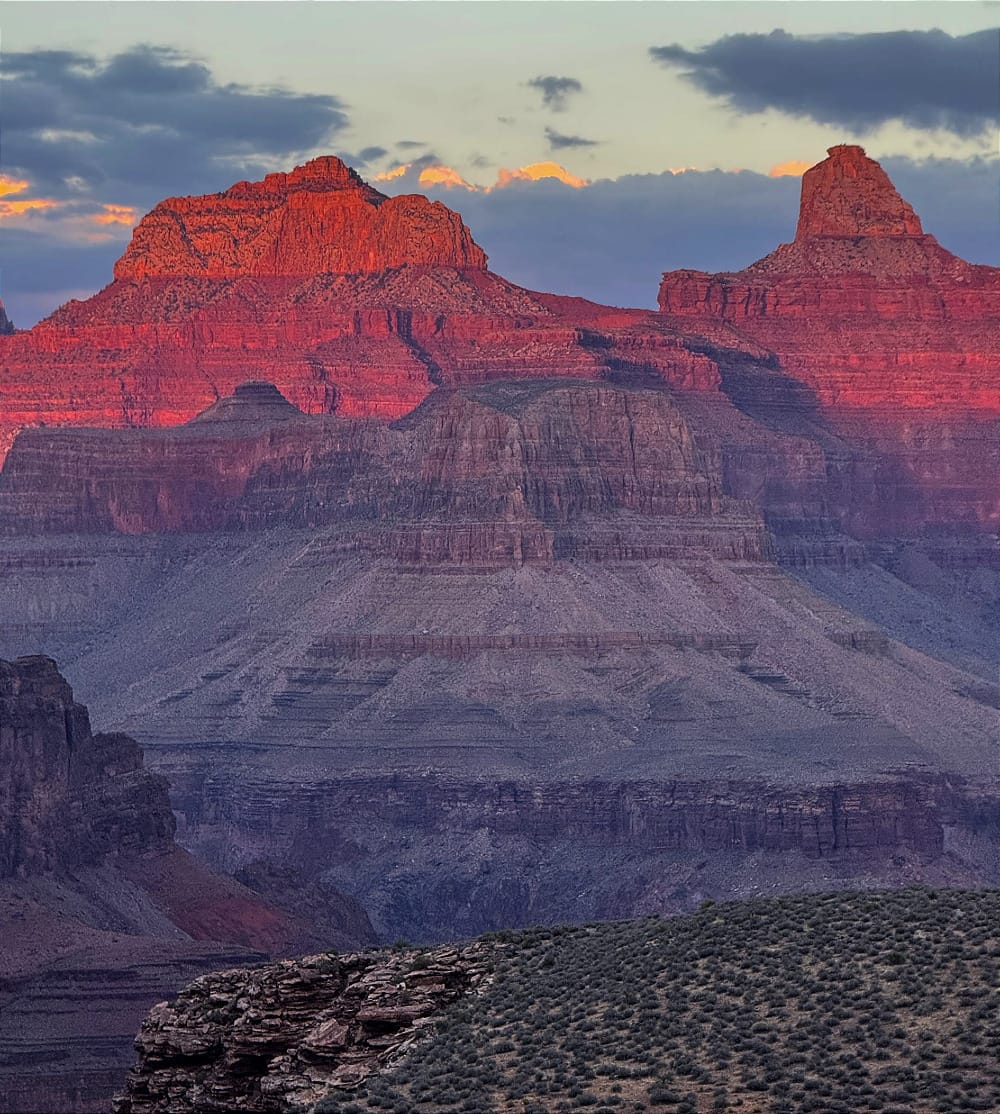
x=834, y=1003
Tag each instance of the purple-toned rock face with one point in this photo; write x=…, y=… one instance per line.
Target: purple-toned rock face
x=69, y=798
x=102, y=914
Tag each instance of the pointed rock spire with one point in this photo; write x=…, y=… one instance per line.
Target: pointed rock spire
x=849, y=194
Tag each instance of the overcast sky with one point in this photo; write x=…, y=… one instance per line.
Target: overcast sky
x=679, y=127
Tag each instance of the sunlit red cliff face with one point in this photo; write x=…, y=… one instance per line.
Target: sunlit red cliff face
x=319, y=218
x=894, y=341
x=347, y=300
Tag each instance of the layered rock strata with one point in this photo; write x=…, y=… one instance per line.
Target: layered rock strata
x=525, y=851
x=319, y=218
x=847, y=382
x=348, y=300
x=551, y=740
x=68, y=797
x=610, y=623
x=480, y=478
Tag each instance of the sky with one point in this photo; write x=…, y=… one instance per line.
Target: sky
x=588, y=145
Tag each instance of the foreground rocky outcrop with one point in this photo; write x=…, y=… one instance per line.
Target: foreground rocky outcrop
x=833, y=1002
x=101, y=912
x=283, y=1035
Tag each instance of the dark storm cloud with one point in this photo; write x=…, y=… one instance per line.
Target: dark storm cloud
x=559, y=142
x=428, y=158
x=364, y=157
x=556, y=90
x=146, y=122
x=927, y=79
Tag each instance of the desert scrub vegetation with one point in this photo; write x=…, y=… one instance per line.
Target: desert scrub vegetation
x=834, y=1003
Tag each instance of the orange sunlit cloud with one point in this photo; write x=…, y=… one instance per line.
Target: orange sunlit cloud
x=443, y=176
x=450, y=178
x=116, y=214
x=538, y=170
x=11, y=185
x=23, y=205
x=793, y=168
x=18, y=208
x=388, y=175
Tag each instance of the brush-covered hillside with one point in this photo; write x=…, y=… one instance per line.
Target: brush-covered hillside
x=836, y=1003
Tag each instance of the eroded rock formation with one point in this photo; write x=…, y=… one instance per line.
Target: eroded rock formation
x=347, y=300
x=849, y=194
x=847, y=383
x=101, y=912
x=483, y=477
x=532, y=625
x=319, y=218
x=67, y=797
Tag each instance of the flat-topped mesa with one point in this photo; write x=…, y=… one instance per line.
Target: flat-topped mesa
x=849, y=194
x=478, y=477
x=256, y=402
x=320, y=218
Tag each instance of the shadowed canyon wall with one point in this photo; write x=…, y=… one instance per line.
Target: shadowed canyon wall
x=102, y=913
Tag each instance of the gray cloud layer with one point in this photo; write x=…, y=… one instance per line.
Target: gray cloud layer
x=927, y=79
x=609, y=241
x=556, y=90
x=146, y=122
x=559, y=142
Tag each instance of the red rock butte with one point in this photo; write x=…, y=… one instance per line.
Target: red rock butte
x=347, y=300
x=894, y=340
x=320, y=218
x=863, y=306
